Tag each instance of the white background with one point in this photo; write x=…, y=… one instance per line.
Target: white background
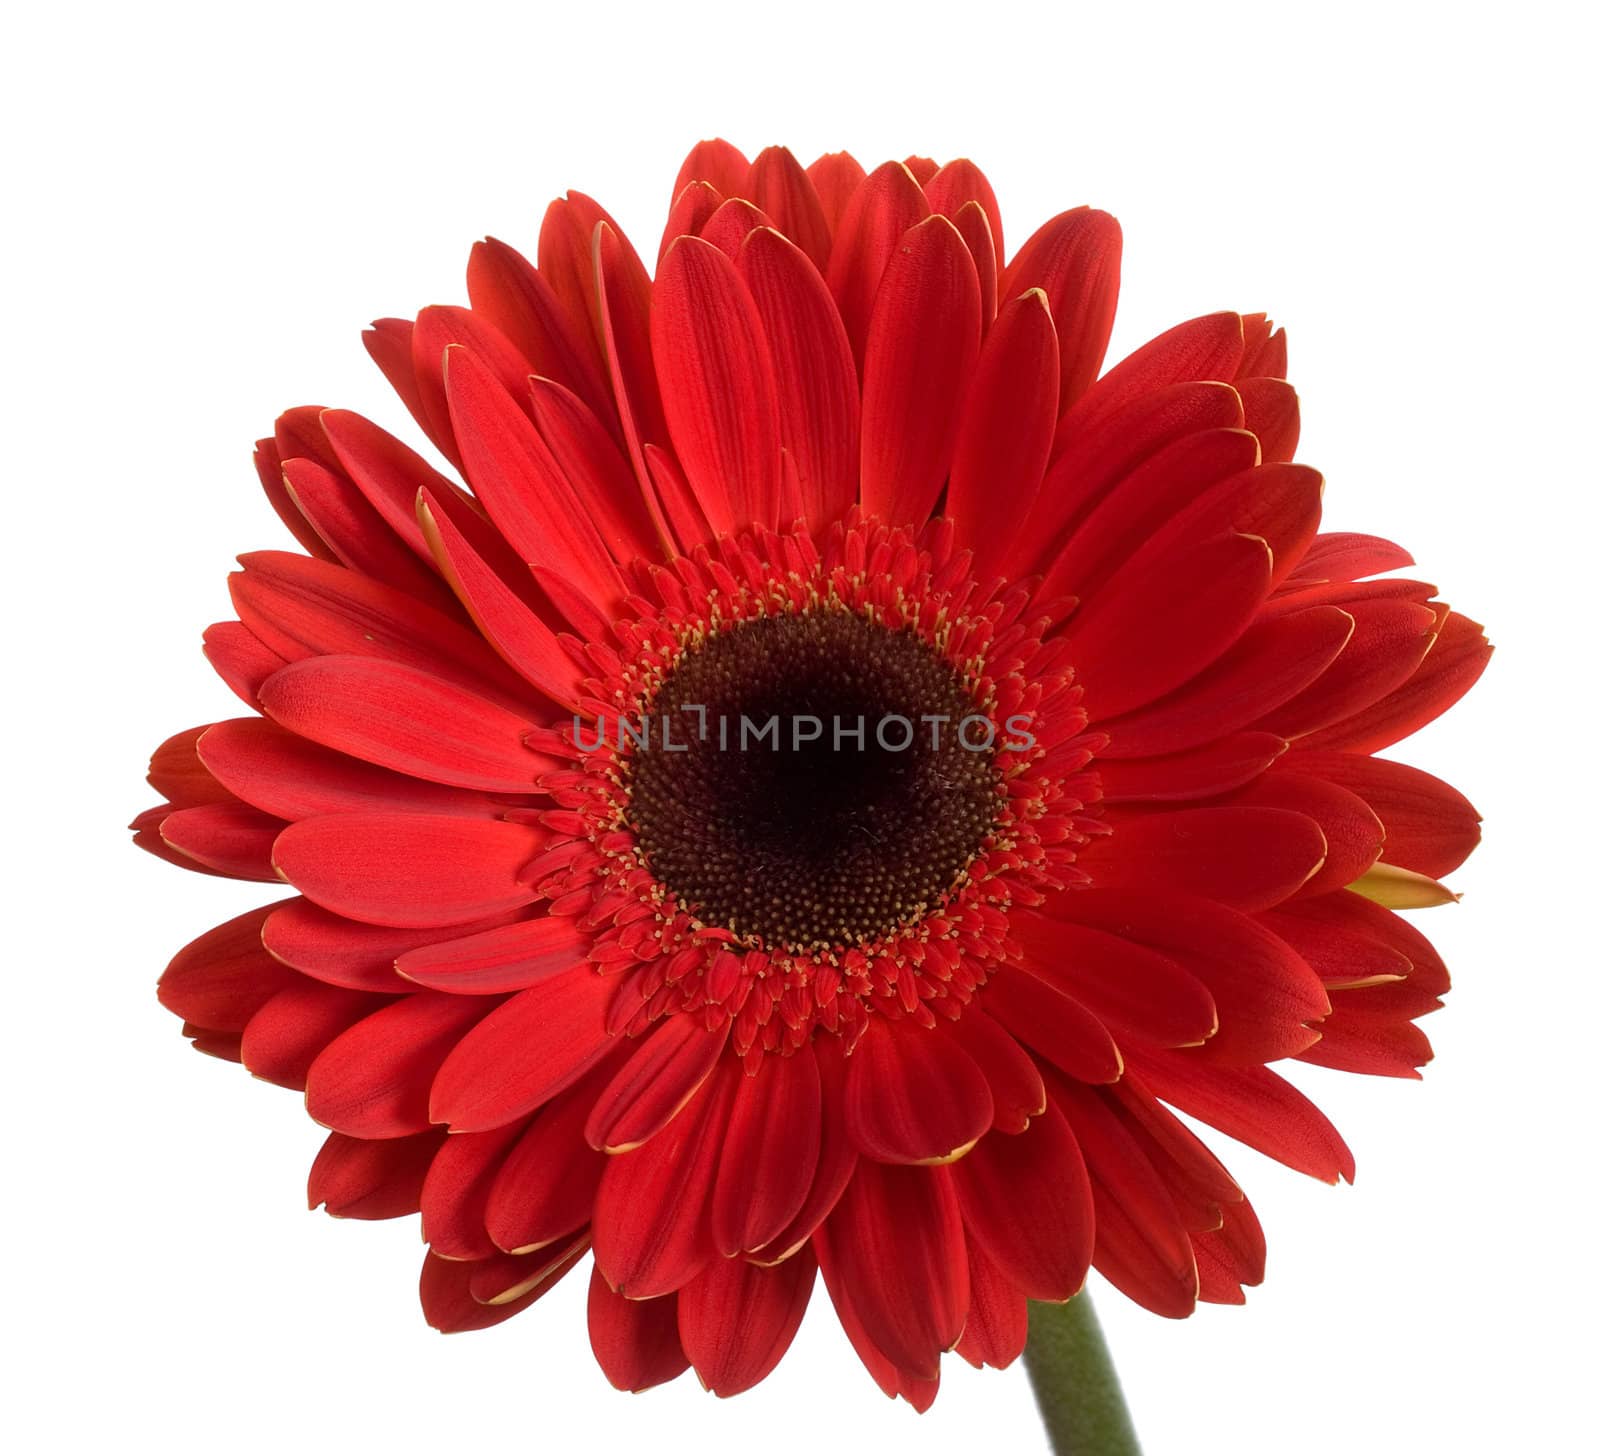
x=205, y=206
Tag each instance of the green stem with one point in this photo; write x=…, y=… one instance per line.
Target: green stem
x=1075, y=1382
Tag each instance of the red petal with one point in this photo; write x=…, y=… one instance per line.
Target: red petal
x=1280, y=503
x=287, y=1034
x=1266, y=350
x=997, y=1321
x=891, y=1380
x=1264, y=992
x=527, y=495
x=693, y=208
x=1428, y=826
x=456, y=1192
x=1342, y=956
x=178, y=773
x=920, y=352
x=1027, y=1202
x=622, y=292
x=881, y=208
x=372, y=1178
x=268, y=460
x=421, y=870
x=373, y=1080
x=1136, y=507
x=388, y=342
x=517, y=633
x=1136, y=991
x=1198, y=773
x=836, y=176
x=513, y=296
x=682, y=512
x=1388, y=643
x=1268, y=665
x=1254, y=1105
x=232, y=839
x=769, y=1156
x=545, y=1189
x=957, y=183
x=779, y=186
x=1013, y=1076
x=1249, y=858
x=1353, y=832
x=737, y=1319
x=1272, y=415
x=913, y=1096
x=1198, y=1183
x=504, y=1278
x=1091, y=462
x=1353, y=914
x=222, y=978
x=146, y=835
x=386, y=471
x=1003, y=444
x=896, y=1244
x=1057, y=1026
x=1164, y=618
x=836, y=1154
x=819, y=405
x=728, y=227
x=654, y=1085
x=566, y=260
x=1456, y=661
x=1349, y=556
x=1234, y=1255
x=717, y=385
x=505, y=958
x=360, y=537
x=1141, y=1245
x=440, y=331
x=450, y=1304
x=1295, y=593
x=635, y=1341
x=284, y=775
x=523, y=1053
x=241, y=659
x=715, y=161
x=1076, y=258
x=1201, y=349
x=303, y=608
x=651, y=1216
x=1379, y=1043
x=599, y=472
x=397, y=717
x=344, y=952
x=973, y=225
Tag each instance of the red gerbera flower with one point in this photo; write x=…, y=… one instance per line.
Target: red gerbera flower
x=1060, y=809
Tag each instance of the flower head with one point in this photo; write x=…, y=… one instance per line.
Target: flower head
x=820, y=783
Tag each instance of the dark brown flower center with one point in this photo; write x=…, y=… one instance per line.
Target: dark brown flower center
x=812, y=780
